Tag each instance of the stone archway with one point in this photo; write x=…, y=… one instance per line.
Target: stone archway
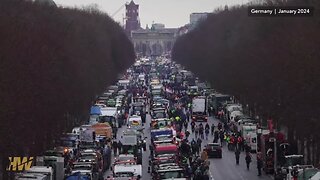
x=156, y=48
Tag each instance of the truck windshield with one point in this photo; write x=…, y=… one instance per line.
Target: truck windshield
x=292, y=161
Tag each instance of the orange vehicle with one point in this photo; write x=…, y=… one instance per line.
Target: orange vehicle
x=103, y=129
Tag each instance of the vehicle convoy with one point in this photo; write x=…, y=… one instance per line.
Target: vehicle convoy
x=199, y=109
x=164, y=98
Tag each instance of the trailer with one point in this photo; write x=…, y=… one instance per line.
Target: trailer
x=199, y=109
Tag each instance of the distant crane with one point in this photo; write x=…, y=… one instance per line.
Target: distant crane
x=118, y=10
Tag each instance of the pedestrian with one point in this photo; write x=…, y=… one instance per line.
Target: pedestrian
x=247, y=148
x=212, y=129
x=192, y=126
x=185, y=125
x=248, y=160
x=114, y=147
x=201, y=131
x=193, y=146
x=216, y=137
x=207, y=126
x=199, y=141
x=207, y=133
x=221, y=134
x=240, y=143
x=188, y=115
x=187, y=134
x=219, y=126
x=196, y=131
x=237, y=153
x=259, y=163
x=119, y=146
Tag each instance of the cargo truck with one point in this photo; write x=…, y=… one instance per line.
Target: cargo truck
x=199, y=109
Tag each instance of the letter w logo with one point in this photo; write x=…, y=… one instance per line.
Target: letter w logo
x=19, y=163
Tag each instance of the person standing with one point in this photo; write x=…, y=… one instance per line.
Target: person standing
x=216, y=137
x=119, y=146
x=193, y=146
x=114, y=147
x=212, y=129
x=185, y=125
x=199, y=141
x=201, y=131
x=188, y=115
x=192, y=126
x=259, y=163
x=221, y=134
x=207, y=133
x=187, y=134
x=248, y=160
x=237, y=153
x=207, y=126
x=196, y=131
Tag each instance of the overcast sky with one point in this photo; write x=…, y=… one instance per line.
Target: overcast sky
x=172, y=13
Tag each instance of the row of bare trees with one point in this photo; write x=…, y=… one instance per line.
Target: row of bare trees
x=53, y=63
x=270, y=63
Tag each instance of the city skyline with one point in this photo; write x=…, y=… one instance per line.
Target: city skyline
x=172, y=13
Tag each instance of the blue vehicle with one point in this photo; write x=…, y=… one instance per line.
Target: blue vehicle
x=78, y=176
x=161, y=132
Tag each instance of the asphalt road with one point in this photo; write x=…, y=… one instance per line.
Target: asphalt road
x=226, y=168
x=220, y=169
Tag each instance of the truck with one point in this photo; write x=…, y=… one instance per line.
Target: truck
x=199, y=108
x=37, y=172
x=139, y=135
x=103, y=129
x=109, y=115
x=130, y=145
x=86, y=133
x=217, y=100
x=51, y=165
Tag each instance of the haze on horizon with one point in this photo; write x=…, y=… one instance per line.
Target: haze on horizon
x=172, y=13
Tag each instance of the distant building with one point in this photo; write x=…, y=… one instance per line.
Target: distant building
x=155, y=41
x=158, y=26
x=195, y=18
x=132, y=17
